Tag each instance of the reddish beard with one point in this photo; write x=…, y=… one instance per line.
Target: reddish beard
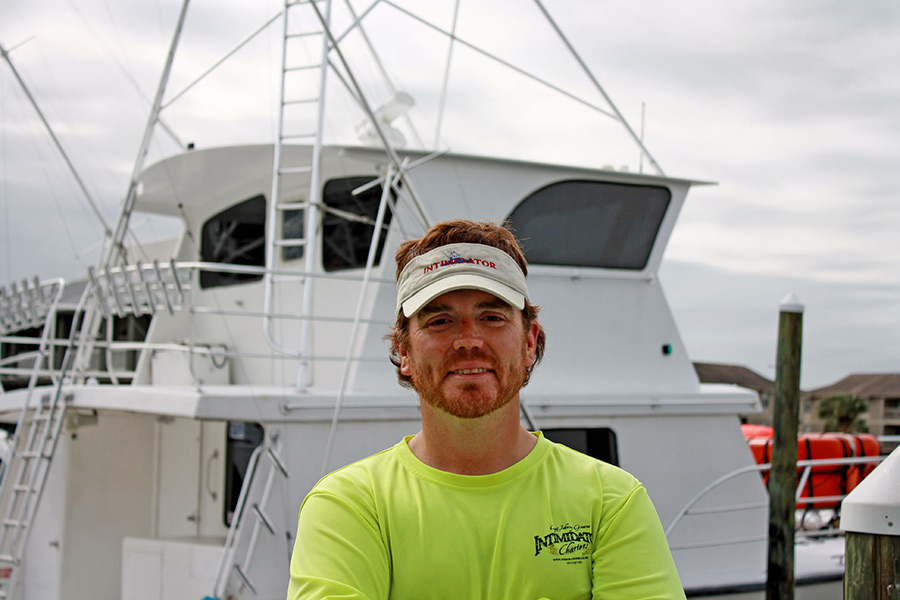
x=469, y=400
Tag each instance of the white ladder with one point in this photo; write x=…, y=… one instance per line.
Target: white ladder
x=26, y=475
x=302, y=89
x=26, y=465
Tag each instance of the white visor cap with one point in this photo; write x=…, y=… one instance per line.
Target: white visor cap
x=458, y=267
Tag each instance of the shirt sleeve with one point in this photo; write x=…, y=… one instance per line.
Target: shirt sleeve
x=631, y=558
x=339, y=552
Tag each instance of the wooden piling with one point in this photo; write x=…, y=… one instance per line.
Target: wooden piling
x=870, y=515
x=783, y=476
x=872, y=567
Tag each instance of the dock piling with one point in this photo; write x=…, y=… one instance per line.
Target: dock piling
x=783, y=476
x=870, y=515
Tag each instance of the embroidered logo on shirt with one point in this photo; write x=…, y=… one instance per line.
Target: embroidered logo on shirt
x=569, y=543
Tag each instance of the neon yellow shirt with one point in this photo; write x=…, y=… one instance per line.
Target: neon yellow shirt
x=558, y=525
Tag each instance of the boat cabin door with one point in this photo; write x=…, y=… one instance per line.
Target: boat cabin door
x=190, y=477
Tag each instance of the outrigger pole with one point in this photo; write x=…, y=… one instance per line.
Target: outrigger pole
x=118, y=236
x=618, y=115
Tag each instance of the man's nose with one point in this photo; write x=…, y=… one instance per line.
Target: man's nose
x=468, y=336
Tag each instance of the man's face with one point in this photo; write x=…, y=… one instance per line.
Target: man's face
x=468, y=353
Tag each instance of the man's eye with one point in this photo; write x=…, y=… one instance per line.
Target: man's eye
x=438, y=322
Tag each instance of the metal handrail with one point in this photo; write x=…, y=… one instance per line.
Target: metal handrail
x=237, y=515
x=28, y=306
x=126, y=375
x=242, y=512
x=44, y=316
x=140, y=289
x=806, y=465
x=124, y=286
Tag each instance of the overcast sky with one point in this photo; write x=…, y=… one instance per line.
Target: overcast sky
x=792, y=108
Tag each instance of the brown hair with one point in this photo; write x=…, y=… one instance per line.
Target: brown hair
x=455, y=232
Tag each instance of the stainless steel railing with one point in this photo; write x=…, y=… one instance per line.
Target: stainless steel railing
x=690, y=508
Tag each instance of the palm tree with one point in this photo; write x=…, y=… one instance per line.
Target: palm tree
x=843, y=412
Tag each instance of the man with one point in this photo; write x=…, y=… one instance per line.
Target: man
x=474, y=506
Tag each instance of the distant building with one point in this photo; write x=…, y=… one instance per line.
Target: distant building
x=881, y=390
x=745, y=378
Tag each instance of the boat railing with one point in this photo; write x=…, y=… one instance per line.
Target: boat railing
x=139, y=289
x=31, y=307
x=806, y=468
x=27, y=306
x=146, y=289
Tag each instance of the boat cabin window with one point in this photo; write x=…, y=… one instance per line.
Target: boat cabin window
x=235, y=236
x=243, y=438
x=591, y=224
x=349, y=223
x=599, y=442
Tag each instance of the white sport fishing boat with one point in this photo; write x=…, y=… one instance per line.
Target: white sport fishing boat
x=172, y=407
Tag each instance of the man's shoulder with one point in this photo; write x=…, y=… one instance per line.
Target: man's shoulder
x=357, y=475
x=590, y=469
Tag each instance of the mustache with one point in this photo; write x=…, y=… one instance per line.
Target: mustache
x=472, y=354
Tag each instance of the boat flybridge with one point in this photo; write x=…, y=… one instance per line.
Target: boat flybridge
x=172, y=408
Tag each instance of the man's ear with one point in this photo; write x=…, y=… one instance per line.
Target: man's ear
x=531, y=338
x=403, y=353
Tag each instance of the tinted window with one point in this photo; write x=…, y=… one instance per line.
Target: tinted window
x=235, y=236
x=348, y=228
x=591, y=224
x=599, y=443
